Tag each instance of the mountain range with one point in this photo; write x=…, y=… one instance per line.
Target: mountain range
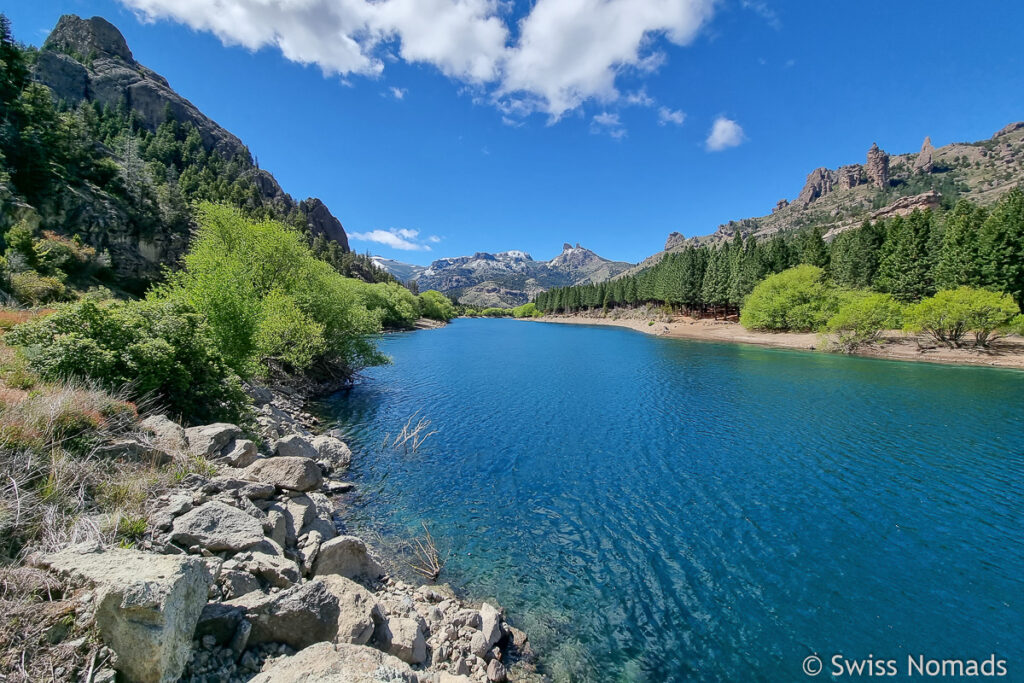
x=507, y=278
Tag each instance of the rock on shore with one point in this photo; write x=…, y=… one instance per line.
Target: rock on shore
x=244, y=575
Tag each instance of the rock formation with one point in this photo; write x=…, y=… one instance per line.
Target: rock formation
x=907, y=205
x=849, y=176
x=820, y=182
x=89, y=60
x=925, y=158
x=877, y=168
x=779, y=206
x=677, y=239
x=1009, y=128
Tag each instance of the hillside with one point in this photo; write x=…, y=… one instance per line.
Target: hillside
x=508, y=278
x=884, y=186
x=103, y=150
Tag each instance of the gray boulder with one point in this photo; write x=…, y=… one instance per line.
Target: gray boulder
x=496, y=672
x=166, y=433
x=216, y=527
x=358, y=612
x=347, y=556
x=402, y=638
x=147, y=605
x=208, y=440
x=333, y=450
x=238, y=453
x=134, y=450
x=279, y=572
x=338, y=663
x=295, y=474
x=295, y=446
x=490, y=624
x=299, y=617
x=219, y=620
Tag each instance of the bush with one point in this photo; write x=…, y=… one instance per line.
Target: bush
x=951, y=313
x=495, y=312
x=259, y=286
x=436, y=306
x=398, y=307
x=796, y=299
x=33, y=289
x=160, y=349
x=527, y=311
x=861, y=317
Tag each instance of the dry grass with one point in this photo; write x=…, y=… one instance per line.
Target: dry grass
x=54, y=489
x=9, y=317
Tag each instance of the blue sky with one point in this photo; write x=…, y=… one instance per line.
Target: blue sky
x=491, y=125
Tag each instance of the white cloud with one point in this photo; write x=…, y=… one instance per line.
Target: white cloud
x=567, y=52
x=667, y=116
x=398, y=93
x=639, y=98
x=610, y=123
x=396, y=238
x=764, y=11
x=725, y=133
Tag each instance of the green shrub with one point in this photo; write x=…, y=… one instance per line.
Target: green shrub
x=861, y=317
x=252, y=280
x=798, y=299
x=495, y=312
x=952, y=313
x=436, y=306
x=398, y=307
x=527, y=311
x=159, y=349
x=33, y=289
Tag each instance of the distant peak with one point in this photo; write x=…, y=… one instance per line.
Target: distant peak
x=88, y=38
x=566, y=246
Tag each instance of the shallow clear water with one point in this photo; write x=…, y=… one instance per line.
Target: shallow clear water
x=652, y=509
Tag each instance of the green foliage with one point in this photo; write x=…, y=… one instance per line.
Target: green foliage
x=854, y=255
x=160, y=349
x=958, y=263
x=905, y=269
x=528, y=310
x=495, y=312
x=399, y=308
x=33, y=289
x=952, y=313
x=436, y=306
x=269, y=302
x=1001, y=246
x=796, y=299
x=861, y=317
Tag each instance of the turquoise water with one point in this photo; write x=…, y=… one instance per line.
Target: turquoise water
x=658, y=510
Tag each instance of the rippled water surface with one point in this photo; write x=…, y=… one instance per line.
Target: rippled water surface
x=654, y=510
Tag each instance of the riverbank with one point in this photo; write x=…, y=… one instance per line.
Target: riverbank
x=893, y=345
x=241, y=568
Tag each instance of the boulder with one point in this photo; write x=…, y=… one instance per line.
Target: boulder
x=147, y=605
x=490, y=624
x=216, y=527
x=238, y=453
x=347, y=556
x=219, y=621
x=235, y=583
x=402, y=638
x=163, y=511
x=358, y=611
x=496, y=672
x=166, y=433
x=134, y=450
x=276, y=571
x=295, y=474
x=295, y=446
x=299, y=617
x=342, y=662
x=333, y=450
x=208, y=440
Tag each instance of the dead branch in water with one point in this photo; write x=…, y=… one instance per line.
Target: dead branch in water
x=428, y=561
x=412, y=437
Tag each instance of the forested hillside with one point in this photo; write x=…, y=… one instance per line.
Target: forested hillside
x=909, y=257
x=102, y=164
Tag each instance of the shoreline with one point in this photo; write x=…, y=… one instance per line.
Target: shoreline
x=1006, y=352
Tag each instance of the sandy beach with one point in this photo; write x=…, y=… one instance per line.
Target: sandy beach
x=1006, y=353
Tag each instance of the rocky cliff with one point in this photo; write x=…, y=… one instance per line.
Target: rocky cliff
x=508, y=278
x=88, y=60
x=885, y=185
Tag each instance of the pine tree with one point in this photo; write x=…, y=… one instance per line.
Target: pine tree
x=958, y=263
x=1002, y=246
x=905, y=270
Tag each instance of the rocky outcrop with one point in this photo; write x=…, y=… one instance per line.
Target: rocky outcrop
x=925, y=161
x=819, y=182
x=907, y=205
x=322, y=222
x=1009, y=128
x=779, y=206
x=147, y=605
x=877, y=168
x=849, y=177
x=676, y=239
